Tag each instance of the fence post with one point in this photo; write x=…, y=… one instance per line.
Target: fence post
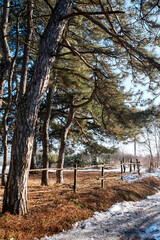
x=138, y=168
x=102, y=177
x=75, y=178
x=156, y=164
x=134, y=165
x=137, y=164
x=122, y=170
x=130, y=165
x=124, y=167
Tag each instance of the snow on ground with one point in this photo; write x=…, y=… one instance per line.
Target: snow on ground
x=91, y=169
x=127, y=220
x=123, y=221
x=87, y=169
x=144, y=173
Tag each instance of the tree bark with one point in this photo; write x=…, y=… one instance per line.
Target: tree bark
x=60, y=162
x=4, y=47
x=5, y=150
x=33, y=159
x=15, y=194
x=5, y=117
x=24, y=71
x=151, y=164
x=45, y=176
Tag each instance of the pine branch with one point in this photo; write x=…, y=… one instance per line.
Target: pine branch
x=75, y=52
x=122, y=41
x=87, y=102
x=85, y=135
x=49, y=5
x=90, y=13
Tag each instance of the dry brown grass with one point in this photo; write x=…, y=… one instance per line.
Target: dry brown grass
x=57, y=207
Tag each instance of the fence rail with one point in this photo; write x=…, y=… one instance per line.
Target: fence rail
x=72, y=168
x=101, y=167
x=131, y=164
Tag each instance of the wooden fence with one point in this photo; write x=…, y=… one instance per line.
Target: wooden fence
x=132, y=166
x=75, y=169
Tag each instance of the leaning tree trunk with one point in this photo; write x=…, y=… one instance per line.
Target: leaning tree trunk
x=60, y=162
x=15, y=194
x=45, y=176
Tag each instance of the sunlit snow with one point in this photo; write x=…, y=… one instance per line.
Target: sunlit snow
x=123, y=221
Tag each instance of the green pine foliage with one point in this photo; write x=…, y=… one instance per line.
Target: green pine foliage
x=92, y=59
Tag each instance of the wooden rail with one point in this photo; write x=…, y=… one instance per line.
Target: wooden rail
x=130, y=164
x=71, y=168
x=75, y=170
x=101, y=168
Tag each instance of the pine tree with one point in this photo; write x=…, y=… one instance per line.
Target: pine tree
x=15, y=195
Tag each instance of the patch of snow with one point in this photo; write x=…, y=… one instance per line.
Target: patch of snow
x=91, y=170
x=143, y=173
x=126, y=220
x=132, y=177
x=153, y=231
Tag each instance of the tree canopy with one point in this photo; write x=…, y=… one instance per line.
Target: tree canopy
x=85, y=52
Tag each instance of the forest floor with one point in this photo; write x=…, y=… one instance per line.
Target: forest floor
x=56, y=207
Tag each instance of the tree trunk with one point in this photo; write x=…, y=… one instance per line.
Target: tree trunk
x=5, y=127
x=156, y=137
x=151, y=164
x=15, y=194
x=33, y=159
x=24, y=71
x=4, y=48
x=60, y=162
x=45, y=177
x=5, y=151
